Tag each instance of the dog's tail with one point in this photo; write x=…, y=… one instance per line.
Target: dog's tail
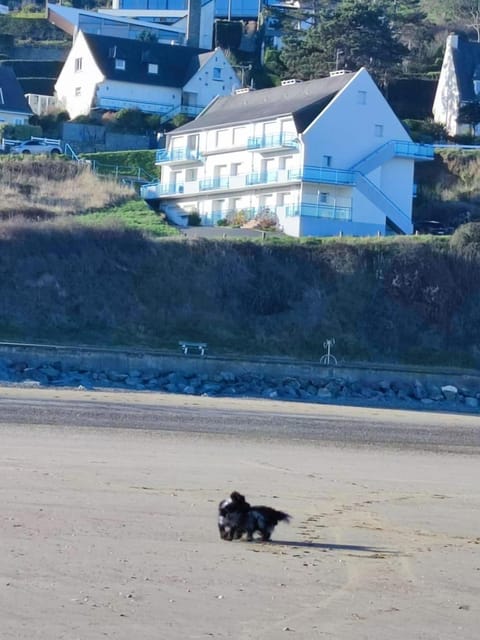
x=272, y=515
x=281, y=515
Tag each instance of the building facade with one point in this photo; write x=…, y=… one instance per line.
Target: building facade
x=458, y=85
x=323, y=157
x=102, y=72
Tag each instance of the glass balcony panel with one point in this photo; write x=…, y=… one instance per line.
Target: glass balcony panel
x=177, y=155
x=329, y=211
x=213, y=183
x=273, y=141
x=262, y=177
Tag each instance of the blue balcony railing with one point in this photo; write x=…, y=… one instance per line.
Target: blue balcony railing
x=323, y=175
x=177, y=155
x=213, y=183
x=262, y=177
x=153, y=190
x=414, y=150
x=330, y=211
x=274, y=141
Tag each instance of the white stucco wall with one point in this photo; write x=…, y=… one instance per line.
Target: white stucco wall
x=10, y=117
x=345, y=130
x=206, y=87
x=357, y=122
x=447, y=96
x=150, y=98
x=85, y=79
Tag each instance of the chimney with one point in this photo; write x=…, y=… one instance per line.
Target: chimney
x=452, y=40
x=193, y=23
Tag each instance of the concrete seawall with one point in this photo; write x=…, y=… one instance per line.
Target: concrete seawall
x=125, y=360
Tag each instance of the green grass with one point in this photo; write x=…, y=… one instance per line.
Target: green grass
x=134, y=214
x=125, y=162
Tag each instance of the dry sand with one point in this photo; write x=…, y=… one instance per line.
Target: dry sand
x=111, y=533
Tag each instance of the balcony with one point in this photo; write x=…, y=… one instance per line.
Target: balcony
x=115, y=104
x=330, y=211
x=277, y=142
x=178, y=156
x=414, y=150
x=241, y=182
x=153, y=190
x=213, y=183
x=324, y=175
x=262, y=177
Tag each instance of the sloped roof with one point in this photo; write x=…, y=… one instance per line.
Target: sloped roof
x=466, y=59
x=12, y=96
x=303, y=100
x=176, y=64
x=70, y=20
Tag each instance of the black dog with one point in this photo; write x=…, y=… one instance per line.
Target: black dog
x=236, y=517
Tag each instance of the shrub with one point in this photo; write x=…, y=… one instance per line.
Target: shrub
x=466, y=241
x=194, y=219
x=20, y=131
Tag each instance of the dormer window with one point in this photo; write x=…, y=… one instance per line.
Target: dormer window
x=120, y=64
x=152, y=68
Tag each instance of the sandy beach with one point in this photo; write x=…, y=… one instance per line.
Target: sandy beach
x=111, y=533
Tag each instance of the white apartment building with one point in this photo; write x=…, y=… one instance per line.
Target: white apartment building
x=326, y=156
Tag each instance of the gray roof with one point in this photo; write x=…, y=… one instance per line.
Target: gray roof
x=466, y=59
x=303, y=100
x=12, y=92
x=176, y=64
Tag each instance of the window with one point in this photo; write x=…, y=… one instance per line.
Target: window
x=120, y=64
x=239, y=136
x=235, y=168
x=217, y=73
x=362, y=97
x=378, y=129
x=77, y=64
x=327, y=161
x=152, y=68
x=78, y=91
x=322, y=197
x=190, y=175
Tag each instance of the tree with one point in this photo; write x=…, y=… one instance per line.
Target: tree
x=350, y=34
x=469, y=113
x=462, y=12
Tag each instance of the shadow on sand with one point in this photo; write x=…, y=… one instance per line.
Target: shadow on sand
x=326, y=546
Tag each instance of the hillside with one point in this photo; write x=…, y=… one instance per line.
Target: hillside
x=406, y=300
x=71, y=242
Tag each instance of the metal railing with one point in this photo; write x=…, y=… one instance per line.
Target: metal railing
x=213, y=183
x=273, y=141
x=330, y=211
x=177, y=155
x=324, y=175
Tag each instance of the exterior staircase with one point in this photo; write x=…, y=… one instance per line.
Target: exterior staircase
x=397, y=218
x=175, y=216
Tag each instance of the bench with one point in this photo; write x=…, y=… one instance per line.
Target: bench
x=200, y=346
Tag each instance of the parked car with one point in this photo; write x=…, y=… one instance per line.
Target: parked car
x=36, y=147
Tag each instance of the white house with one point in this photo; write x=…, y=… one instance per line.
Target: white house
x=458, y=84
x=103, y=72
x=326, y=156
x=167, y=24
x=14, y=108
